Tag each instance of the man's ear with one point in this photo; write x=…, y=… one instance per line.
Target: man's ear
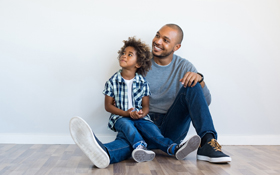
x=176, y=47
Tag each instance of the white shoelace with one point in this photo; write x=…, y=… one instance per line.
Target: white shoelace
x=140, y=146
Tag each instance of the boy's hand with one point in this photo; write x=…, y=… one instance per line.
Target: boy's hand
x=136, y=115
x=140, y=113
x=128, y=112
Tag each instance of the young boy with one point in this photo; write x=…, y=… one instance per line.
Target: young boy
x=127, y=99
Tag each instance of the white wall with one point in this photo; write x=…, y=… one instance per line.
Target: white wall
x=55, y=57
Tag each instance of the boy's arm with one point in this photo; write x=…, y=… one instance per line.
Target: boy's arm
x=145, y=105
x=109, y=107
x=144, y=111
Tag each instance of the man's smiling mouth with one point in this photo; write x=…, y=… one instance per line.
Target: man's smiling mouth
x=156, y=48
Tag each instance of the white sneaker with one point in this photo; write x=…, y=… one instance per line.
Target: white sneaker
x=85, y=139
x=182, y=150
x=141, y=154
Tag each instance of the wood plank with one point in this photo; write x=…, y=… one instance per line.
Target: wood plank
x=69, y=159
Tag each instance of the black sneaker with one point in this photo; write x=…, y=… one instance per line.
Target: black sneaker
x=88, y=143
x=211, y=152
x=182, y=150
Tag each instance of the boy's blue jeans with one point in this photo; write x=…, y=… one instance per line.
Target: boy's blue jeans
x=131, y=129
x=189, y=106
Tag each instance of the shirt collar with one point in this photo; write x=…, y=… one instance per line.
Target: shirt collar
x=137, y=77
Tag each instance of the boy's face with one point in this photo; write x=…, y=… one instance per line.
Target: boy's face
x=129, y=58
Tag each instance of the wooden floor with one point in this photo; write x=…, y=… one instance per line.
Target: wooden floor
x=69, y=159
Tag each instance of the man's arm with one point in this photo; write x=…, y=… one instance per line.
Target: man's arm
x=109, y=107
x=191, y=78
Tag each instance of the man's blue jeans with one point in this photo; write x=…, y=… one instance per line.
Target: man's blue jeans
x=189, y=106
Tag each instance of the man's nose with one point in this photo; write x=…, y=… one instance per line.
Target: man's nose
x=158, y=41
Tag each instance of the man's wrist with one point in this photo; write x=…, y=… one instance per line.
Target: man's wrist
x=202, y=77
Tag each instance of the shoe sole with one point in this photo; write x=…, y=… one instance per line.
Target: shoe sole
x=83, y=136
x=140, y=155
x=191, y=145
x=214, y=160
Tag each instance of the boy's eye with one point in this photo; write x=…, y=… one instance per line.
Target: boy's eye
x=129, y=55
x=123, y=53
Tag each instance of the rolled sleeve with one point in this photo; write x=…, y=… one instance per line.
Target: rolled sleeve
x=108, y=89
x=146, y=89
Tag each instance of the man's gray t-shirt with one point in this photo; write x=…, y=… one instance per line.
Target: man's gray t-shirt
x=165, y=85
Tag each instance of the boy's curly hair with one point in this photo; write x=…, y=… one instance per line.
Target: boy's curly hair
x=143, y=53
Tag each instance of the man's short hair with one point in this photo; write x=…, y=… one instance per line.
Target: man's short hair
x=180, y=32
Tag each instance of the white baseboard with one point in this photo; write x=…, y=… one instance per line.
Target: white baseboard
x=13, y=138
x=249, y=140
x=10, y=138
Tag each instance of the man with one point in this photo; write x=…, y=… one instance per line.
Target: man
x=179, y=96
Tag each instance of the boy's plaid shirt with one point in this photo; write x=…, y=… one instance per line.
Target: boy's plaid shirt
x=115, y=87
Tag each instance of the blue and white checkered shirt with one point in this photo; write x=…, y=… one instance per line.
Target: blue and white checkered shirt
x=116, y=87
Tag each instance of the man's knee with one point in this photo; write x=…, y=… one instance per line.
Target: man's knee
x=194, y=88
x=197, y=89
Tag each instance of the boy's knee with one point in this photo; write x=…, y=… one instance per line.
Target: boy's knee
x=123, y=121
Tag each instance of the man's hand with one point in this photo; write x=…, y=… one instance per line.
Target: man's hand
x=190, y=79
x=136, y=115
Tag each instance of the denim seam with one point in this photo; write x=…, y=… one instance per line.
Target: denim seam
x=187, y=104
x=164, y=121
x=191, y=118
x=181, y=95
x=118, y=148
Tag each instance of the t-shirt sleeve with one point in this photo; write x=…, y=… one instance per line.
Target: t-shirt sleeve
x=188, y=67
x=108, y=89
x=146, y=89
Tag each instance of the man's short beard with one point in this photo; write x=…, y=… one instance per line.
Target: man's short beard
x=163, y=56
